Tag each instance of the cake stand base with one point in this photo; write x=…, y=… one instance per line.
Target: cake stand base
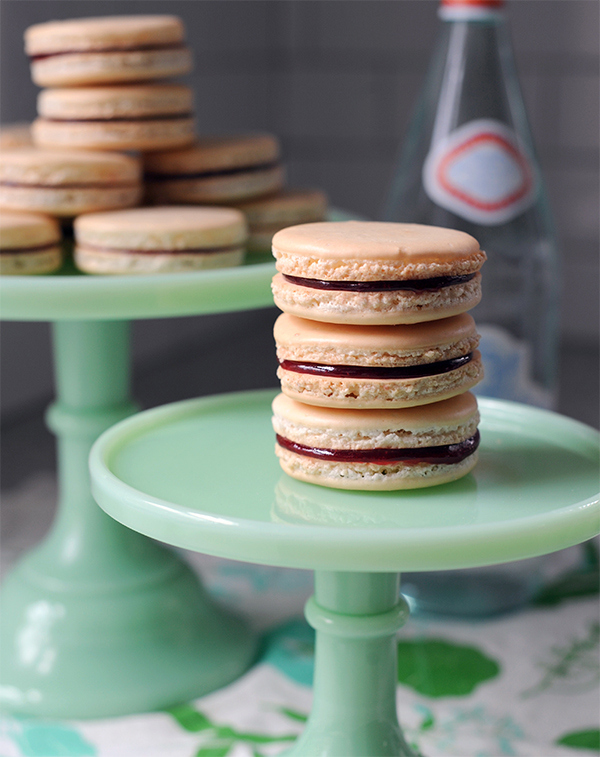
x=133, y=642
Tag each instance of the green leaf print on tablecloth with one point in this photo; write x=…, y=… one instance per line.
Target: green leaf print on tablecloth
x=571, y=667
x=582, y=740
x=440, y=668
x=219, y=740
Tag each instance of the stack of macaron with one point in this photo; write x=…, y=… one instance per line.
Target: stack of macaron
x=103, y=83
x=104, y=95
x=377, y=354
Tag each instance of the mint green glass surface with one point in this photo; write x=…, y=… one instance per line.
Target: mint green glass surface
x=202, y=474
x=88, y=604
x=99, y=620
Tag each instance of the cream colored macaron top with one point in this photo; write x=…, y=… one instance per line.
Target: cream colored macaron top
x=348, y=344
x=162, y=228
x=125, y=101
x=101, y=33
x=403, y=250
x=59, y=168
x=288, y=206
x=21, y=231
x=215, y=154
x=440, y=416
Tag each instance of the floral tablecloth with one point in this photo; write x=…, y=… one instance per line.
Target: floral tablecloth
x=524, y=683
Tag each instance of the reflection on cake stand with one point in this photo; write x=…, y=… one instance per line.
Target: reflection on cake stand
x=99, y=620
x=203, y=475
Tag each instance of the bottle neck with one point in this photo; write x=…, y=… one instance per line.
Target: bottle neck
x=472, y=10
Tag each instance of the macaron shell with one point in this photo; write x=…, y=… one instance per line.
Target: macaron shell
x=370, y=477
x=384, y=346
x=125, y=101
x=123, y=263
x=115, y=135
x=163, y=228
x=30, y=263
x=81, y=69
x=99, y=32
x=290, y=206
x=440, y=423
x=69, y=202
x=374, y=251
x=30, y=166
x=331, y=391
x=217, y=189
x=23, y=230
x=216, y=154
x=375, y=308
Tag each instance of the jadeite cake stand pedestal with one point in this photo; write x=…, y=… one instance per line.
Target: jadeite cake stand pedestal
x=99, y=620
x=202, y=475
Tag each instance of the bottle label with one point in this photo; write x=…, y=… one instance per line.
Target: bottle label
x=481, y=173
x=507, y=369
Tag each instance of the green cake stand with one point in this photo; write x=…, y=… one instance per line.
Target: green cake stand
x=98, y=620
x=202, y=475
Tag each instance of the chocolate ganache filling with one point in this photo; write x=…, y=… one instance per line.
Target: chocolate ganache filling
x=150, y=176
x=412, y=285
x=25, y=250
x=122, y=49
x=377, y=372
x=445, y=454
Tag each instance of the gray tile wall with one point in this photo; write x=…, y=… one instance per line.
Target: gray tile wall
x=336, y=80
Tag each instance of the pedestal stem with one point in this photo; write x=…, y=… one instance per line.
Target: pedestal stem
x=91, y=363
x=356, y=616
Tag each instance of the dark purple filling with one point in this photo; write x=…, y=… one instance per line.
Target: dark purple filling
x=446, y=454
x=110, y=119
x=132, y=49
x=207, y=174
x=377, y=372
x=25, y=250
x=412, y=285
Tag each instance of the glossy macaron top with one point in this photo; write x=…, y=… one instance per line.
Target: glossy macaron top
x=162, y=228
x=101, y=33
x=109, y=102
x=287, y=206
x=368, y=250
x=215, y=154
x=458, y=411
x=349, y=344
x=60, y=168
x=26, y=230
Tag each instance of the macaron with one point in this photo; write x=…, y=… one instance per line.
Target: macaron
x=126, y=117
x=339, y=365
x=30, y=243
x=267, y=215
x=68, y=182
x=375, y=273
x=106, y=50
x=159, y=240
x=407, y=448
x=215, y=170
x=15, y=135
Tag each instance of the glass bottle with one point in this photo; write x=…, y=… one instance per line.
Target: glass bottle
x=469, y=163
